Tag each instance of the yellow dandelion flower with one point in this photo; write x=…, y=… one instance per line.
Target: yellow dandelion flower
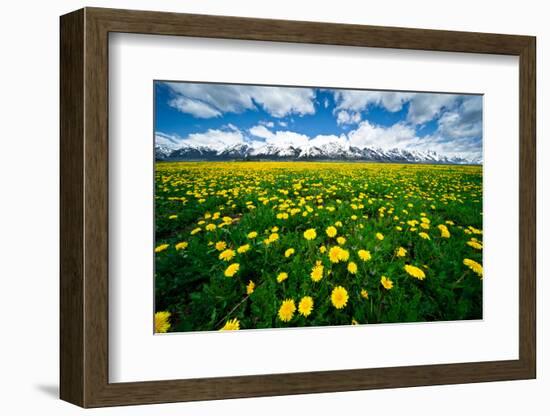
x=210, y=227
x=387, y=283
x=250, y=287
x=341, y=240
x=182, y=246
x=172, y=217
x=331, y=231
x=400, y=252
x=273, y=237
x=305, y=306
x=339, y=297
x=252, y=234
x=281, y=277
x=231, y=325
x=352, y=267
x=354, y=322
x=287, y=309
x=317, y=272
x=227, y=255
x=343, y=255
x=196, y=230
x=424, y=235
x=243, y=249
x=323, y=249
x=475, y=245
x=364, y=255
x=475, y=266
x=162, y=322
x=289, y=252
x=334, y=254
x=162, y=247
x=380, y=236
x=444, y=231
x=232, y=269
x=364, y=294
x=415, y=272
x=221, y=245
x=338, y=223
x=310, y=234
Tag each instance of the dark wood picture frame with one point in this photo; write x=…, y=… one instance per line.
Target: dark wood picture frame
x=84, y=207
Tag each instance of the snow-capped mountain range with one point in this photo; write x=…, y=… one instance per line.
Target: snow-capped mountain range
x=167, y=149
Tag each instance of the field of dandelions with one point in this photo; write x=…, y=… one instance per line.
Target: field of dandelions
x=247, y=245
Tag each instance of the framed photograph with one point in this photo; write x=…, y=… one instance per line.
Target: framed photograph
x=255, y=207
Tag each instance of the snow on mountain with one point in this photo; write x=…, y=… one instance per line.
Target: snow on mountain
x=326, y=148
x=165, y=145
x=269, y=150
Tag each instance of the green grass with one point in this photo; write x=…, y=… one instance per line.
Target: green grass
x=366, y=199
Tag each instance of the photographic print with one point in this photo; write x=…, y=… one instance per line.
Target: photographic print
x=288, y=206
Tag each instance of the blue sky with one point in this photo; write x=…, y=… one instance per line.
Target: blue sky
x=226, y=114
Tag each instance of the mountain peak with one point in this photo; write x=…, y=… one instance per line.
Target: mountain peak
x=169, y=150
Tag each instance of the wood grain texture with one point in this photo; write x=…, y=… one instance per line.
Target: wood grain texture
x=527, y=208
x=71, y=185
x=84, y=207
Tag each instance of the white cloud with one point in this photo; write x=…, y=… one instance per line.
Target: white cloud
x=261, y=131
x=281, y=101
x=345, y=117
x=223, y=98
x=280, y=138
x=283, y=123
x=194, y=107
x=403, y=136
x=231, y=127
x=452, y=125
x=425, y=107
x=269, y=124
x=464, y=121
x=167, y=141
x=356, y=100
x=398, y=135
x=459, y=131
x=464, y=147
